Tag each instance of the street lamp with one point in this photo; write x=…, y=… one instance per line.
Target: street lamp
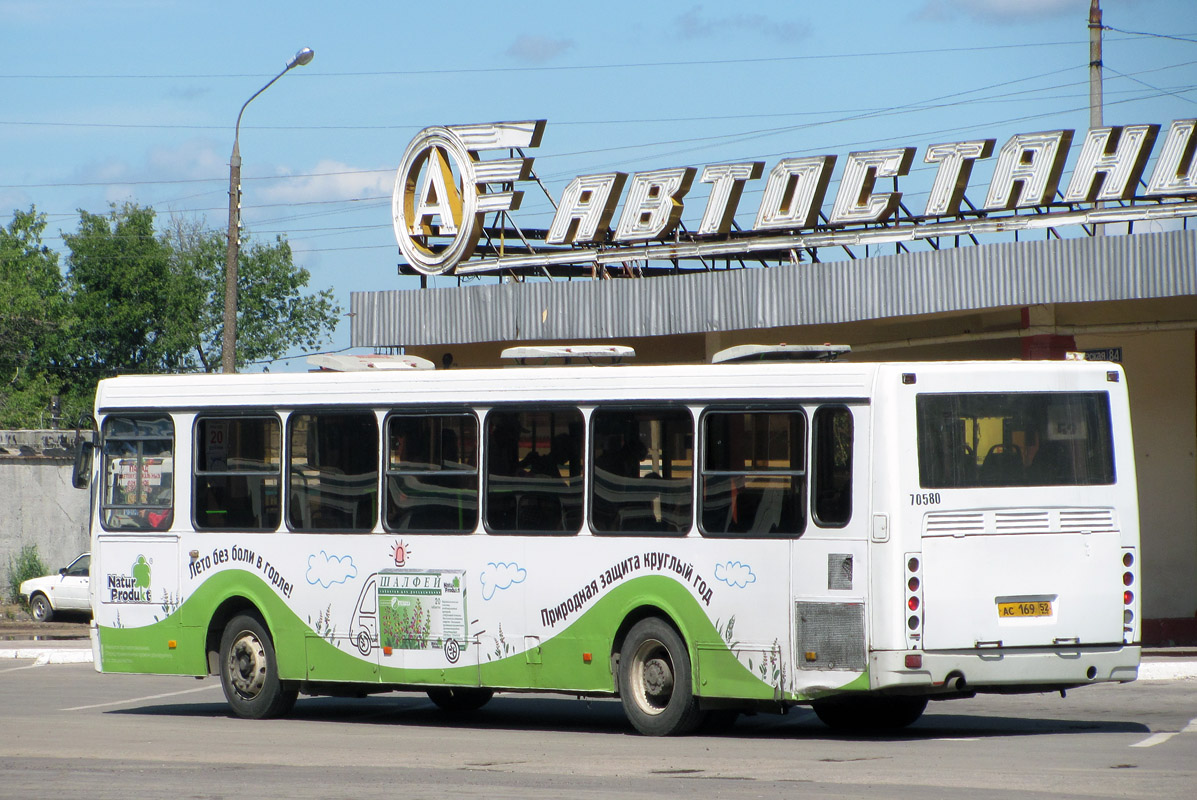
x=228, y=358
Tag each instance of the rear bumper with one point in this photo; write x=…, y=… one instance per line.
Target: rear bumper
x=1004, y=670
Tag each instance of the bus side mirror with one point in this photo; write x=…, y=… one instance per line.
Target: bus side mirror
x=85, y=445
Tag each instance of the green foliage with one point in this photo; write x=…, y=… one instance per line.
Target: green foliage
x=273, y=312
x=35, y=322
x=137, y=301
x=119, y=284
x=25, y=565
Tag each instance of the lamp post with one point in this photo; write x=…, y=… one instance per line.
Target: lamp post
x=228, y=357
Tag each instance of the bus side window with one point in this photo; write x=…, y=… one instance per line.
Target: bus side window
x=643, y=462
x=238, y=467
x=534, y=473
x=138, y=473
x=832, y=480
x=333, y=471
x=432, y=473
x=753, y=480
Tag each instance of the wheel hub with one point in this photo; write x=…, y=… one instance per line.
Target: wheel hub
x=658, y=678
x=247, y=666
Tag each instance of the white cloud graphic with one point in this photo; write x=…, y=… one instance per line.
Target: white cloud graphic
x=326, y=570
x=733, y=573
x=499, y=576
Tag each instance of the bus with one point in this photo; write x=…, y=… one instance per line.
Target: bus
x=698, y=540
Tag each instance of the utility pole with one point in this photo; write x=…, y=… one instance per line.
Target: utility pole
x=1095, y=99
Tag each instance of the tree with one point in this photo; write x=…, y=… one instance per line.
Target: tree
x=34, y=325
x=150, y=303
x=273, y=312
x=134, y=300
x=119, y=284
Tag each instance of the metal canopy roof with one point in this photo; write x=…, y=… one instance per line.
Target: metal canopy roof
x=1114, y=267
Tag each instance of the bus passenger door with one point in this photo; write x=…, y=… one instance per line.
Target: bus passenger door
x=830, y=560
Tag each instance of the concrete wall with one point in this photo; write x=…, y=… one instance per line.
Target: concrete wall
x=38, y=505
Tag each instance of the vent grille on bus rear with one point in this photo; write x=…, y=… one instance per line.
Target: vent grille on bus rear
x=1018, y=520
x=1087, y=519
x=955, y=522
x=830, y=636
x=1021, y=521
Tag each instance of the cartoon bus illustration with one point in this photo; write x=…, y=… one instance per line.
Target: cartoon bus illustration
x=412, y=609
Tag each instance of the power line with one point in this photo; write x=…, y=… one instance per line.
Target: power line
x=572, y=67
x=1152, y=35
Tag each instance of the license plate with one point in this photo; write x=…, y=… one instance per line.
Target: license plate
x=1033, y=608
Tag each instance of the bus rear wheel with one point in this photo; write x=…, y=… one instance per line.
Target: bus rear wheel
x=249, y=671
x=460, y=700
x=655, y=681
x=878, y=714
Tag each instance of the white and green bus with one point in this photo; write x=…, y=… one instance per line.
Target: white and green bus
x=696, y=540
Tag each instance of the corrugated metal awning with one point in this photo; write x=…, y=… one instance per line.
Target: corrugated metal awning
x=1119, y=267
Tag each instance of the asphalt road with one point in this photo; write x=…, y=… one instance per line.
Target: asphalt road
x=66, y=731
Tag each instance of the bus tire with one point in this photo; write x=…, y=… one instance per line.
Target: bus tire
x=249, y=671
x=460, y=700
x=655, y=681
x=876, y=714
x=40, y=608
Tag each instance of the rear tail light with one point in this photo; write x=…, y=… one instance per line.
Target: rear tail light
x=914, y=600
x=1129, y=610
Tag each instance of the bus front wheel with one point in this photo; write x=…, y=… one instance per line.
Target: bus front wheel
x=655, y=682
x=249, y=671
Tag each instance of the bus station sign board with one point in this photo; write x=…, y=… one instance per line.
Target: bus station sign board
x=444, y=189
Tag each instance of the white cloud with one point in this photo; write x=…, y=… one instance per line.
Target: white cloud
x=326, y=570
x=537, y=49
x=1007, y=11
x=328, y=181
x=695, y=24
x=499, y=576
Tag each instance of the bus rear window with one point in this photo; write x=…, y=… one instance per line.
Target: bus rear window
x=1008, y=439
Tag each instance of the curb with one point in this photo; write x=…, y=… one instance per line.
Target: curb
x=45, y=655
x=1167, y=670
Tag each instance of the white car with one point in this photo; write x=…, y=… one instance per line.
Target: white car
x=66, y=591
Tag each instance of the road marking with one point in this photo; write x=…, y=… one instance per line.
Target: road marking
x=1154, y=739
x=1160, y=738
x=142, y=699
x=18, y=669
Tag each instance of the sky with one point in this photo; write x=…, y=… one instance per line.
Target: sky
x=114, y=101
